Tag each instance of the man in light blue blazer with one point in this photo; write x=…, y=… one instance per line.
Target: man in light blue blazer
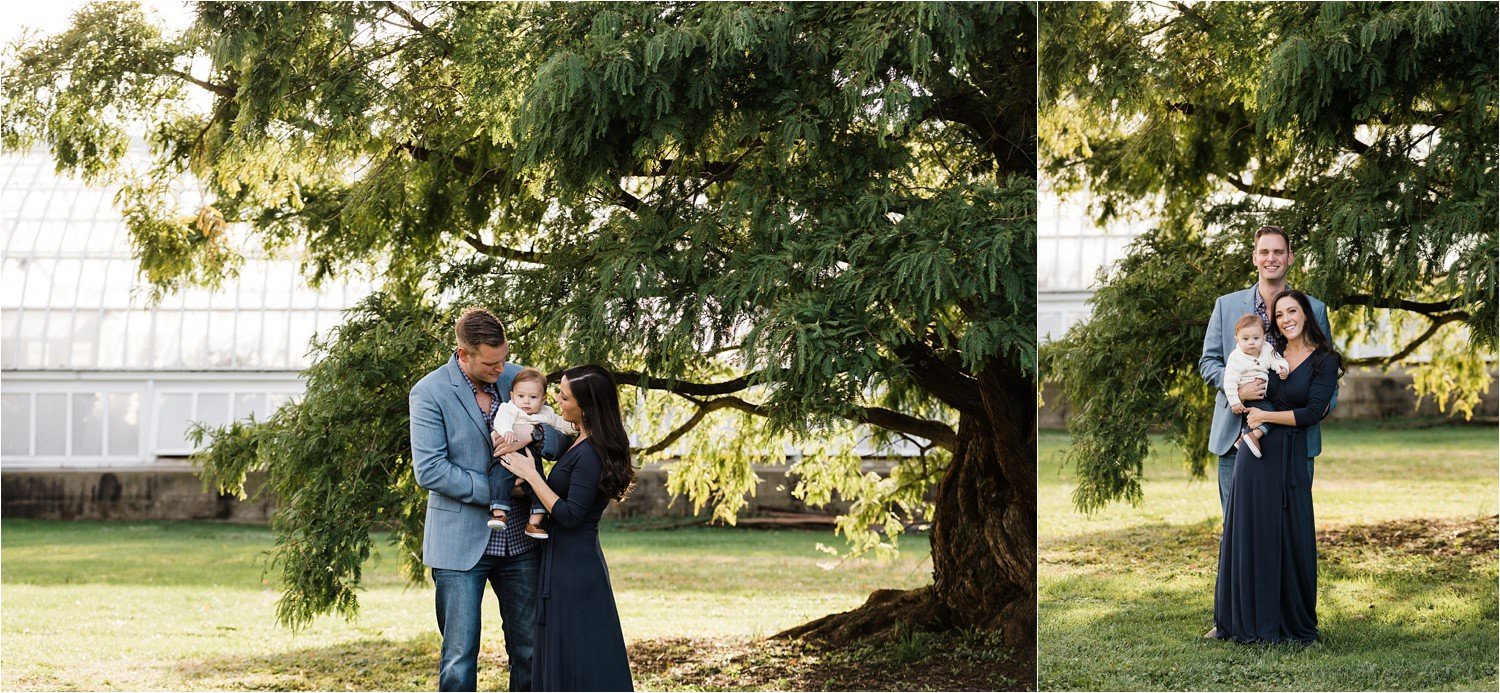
x=1272, y=257
x=452, y=410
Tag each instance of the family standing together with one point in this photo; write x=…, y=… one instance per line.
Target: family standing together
x=1268, y=352
x=494, y=517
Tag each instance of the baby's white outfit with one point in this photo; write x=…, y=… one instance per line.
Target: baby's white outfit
x=509, y=415
x=1241, y=368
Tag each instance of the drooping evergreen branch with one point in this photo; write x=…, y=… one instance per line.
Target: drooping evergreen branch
x=623, y=198
x=422, y=28
x=224, y=90
x=939, y=433
x=704, y=409
x=461, y=164
x=1437, y=322
x=1258, y=189
x=951, y=386
x=1397, y=303
x=683, y=387
x=672, y=167
x=507, y=253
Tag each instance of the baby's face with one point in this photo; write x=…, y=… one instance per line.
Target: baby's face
x=529, y=396
x=1250, y=340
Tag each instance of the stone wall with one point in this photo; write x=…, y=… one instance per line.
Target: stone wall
x=179, y=495
x=122, y=495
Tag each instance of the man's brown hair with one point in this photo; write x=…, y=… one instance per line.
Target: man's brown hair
x=1267, y=230
x=528, y=374
x=478, y=326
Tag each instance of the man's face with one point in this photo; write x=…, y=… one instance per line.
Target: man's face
x=1272, y=257
x=484, y=363
x=528, y=396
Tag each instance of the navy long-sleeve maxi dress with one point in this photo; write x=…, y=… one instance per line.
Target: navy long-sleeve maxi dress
x=579, y=645
x=1268, y=557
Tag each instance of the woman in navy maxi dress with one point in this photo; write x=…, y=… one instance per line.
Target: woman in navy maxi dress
x=1268, y=558
x=579, y=644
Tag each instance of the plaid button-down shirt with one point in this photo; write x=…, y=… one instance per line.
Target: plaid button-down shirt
x=511, y=541
x=1265, y=319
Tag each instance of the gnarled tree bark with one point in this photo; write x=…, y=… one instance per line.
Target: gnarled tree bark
x=984, y=532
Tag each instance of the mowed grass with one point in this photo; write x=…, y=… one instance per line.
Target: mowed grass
x=1406, y=585
x=150, y=606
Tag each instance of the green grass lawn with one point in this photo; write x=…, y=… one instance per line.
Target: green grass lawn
x=1406, y=582
x=149, y=606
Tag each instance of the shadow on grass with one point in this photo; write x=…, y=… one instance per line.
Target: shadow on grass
x=1399, y=608
x=368, y=664
x=914, y=661
x=920, y=661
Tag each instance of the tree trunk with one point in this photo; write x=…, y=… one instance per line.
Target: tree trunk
x=983, y=536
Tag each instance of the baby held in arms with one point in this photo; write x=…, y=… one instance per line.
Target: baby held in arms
x=527, y=405
x=1251, y=360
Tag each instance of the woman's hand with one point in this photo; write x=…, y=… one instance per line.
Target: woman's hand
x=1256, y=417
x=521, y=464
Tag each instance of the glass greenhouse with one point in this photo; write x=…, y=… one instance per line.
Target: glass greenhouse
x=92, y=374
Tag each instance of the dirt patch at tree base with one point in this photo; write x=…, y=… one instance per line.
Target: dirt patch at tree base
x=1420, y=536
x=914, y=661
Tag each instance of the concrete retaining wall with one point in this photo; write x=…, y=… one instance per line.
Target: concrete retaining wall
x=122, y=495
x=179, y=495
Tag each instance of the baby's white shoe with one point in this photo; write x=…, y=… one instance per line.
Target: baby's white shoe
x=497, y=523
x=1250, y=443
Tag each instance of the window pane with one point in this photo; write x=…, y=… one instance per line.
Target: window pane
x=59, y=338
x=15, y=413
x=247, y=334
x=114, y=341
x=51, y=423
x=12, y=281
x=88, y=425
x=166, y=338
x=10, y=351
x=273, y=349
x=172, y=422
x=124, y=423
x=219, y=335
x=247, y=404
x=213, y=410
x=85, y=343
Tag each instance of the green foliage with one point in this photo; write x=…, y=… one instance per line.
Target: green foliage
x=1161, y=342
x=339, y=457
x=1367, y=130
x=815, y=214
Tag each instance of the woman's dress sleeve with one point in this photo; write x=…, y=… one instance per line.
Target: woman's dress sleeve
x=583, y=486
x=1325, y=381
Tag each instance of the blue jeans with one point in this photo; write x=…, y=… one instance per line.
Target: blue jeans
x=1226, y=478
x=460, y=594
x=502, y=481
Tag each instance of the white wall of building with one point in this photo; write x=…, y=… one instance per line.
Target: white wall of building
x=95, y=375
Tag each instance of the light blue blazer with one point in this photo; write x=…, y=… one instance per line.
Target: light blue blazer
x=1218, y=341
x=450, y=455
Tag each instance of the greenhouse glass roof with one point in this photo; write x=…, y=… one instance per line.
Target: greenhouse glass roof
x=71, y=297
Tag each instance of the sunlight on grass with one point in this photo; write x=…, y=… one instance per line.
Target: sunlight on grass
x=111, y=606
x=1126, y=593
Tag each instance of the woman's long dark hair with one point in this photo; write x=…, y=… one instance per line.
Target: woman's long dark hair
x=1310, y=328
x=594, y=391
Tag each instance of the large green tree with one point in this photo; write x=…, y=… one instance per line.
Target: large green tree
x=1368, y=130
x=787, y=222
